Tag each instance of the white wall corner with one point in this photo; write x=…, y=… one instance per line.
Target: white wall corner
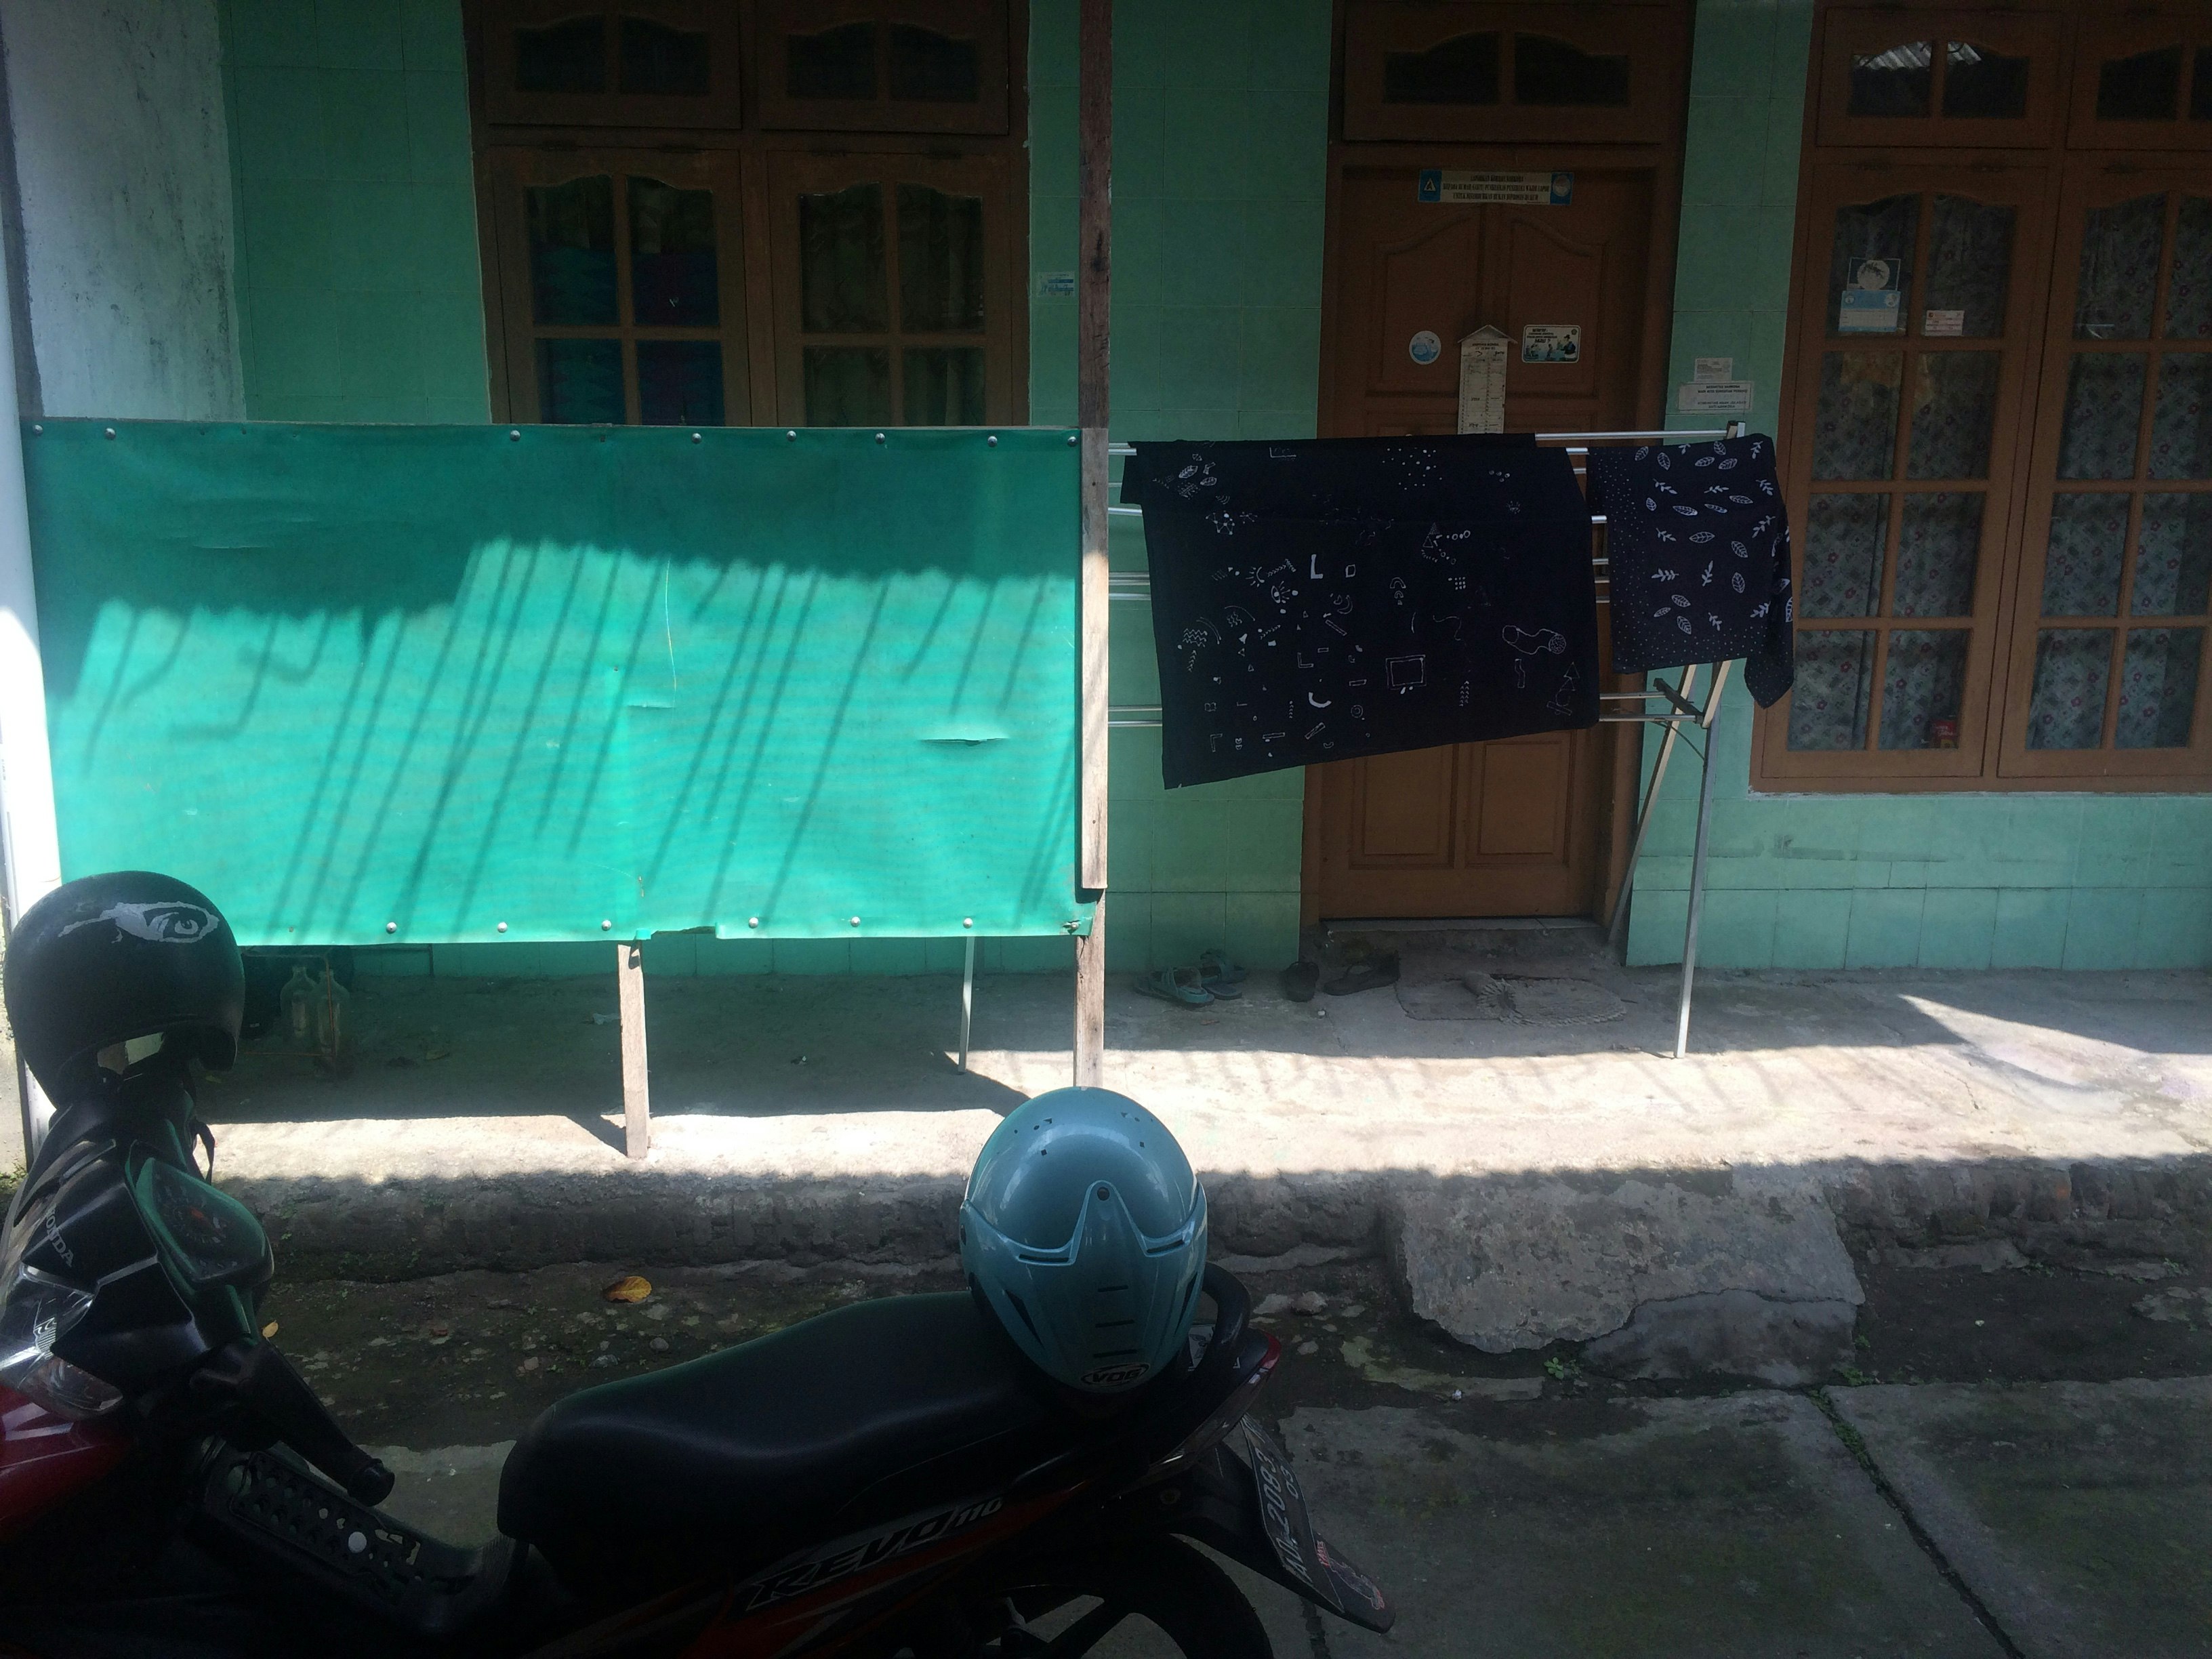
x=122, y=166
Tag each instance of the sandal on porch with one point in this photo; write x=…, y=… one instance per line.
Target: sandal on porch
x=1219, y=975
x=1181, y=985
x=1364, y=976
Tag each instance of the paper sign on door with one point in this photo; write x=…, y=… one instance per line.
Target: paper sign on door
x=1482, y=380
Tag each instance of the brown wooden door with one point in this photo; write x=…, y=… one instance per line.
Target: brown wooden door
x=1509, y=828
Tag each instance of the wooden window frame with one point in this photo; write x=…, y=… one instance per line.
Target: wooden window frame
x=1834, y=185
x=2012, y=567
x=2121, y=36
x=518, y=169
x=791, y=176
x=503, y=105
x=1645, y=32
x=779, y=112
x=2094, y=182
x=1848, y=29
x=740, y=157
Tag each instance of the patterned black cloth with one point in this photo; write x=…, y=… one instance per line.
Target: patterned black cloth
x=1699, y=541
x=1323, y=477
x=1330, y=602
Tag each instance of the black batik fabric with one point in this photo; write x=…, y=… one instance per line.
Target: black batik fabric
x=1699, y=544
x=1337, y=627
x=1325, y=477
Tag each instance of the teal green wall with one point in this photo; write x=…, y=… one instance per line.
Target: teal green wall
x=2004, y=880
x=359, y=293
x=359, y=299
x=1220, y=161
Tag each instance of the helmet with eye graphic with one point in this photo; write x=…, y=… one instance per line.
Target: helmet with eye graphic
x=127, y=964
x=1084, y=1232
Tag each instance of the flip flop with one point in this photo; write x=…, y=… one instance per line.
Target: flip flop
x=1179, y=985
x=1299, y=980
x=1364, y=976
x=1219, y=975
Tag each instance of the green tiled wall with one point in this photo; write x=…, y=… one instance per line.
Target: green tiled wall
x=1868, y=881
x=359, y=292
x=1220, y=154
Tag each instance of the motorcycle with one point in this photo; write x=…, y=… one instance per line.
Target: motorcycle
x=889, y=1479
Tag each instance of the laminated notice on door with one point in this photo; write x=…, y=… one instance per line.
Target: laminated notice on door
x=1552, y=343
x=1449, y=186
x=1713, y=397
x=1482, y=380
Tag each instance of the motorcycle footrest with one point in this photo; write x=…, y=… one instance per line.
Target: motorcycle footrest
x=277, y=1507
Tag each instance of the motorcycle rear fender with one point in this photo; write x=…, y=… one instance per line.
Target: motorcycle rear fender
x=1217, y=1502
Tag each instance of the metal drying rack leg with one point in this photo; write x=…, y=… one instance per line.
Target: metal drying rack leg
x=966, y=999
x=1697, y=864
x=1618, y=926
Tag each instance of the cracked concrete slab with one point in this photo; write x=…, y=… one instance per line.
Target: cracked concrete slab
x=1717, y=1528
x=1740, y=1274
x=2074, y=1511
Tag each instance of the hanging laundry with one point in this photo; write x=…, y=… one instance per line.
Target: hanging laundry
x=1322, y=600
x=1699, y=544
x=1323, y=477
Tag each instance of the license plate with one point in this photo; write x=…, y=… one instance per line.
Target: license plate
x=1303, y=1554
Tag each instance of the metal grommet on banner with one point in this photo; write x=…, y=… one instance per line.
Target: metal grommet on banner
x=696, y=439
x=991, y=441
x=788, y=436
x=752, y=921
x=514, y=436
x=390, y=927
x=503, y=928
x=111, y=431
x=606, y=925
x=856, y=922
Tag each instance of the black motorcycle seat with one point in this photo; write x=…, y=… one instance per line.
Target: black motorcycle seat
x=754, y=1448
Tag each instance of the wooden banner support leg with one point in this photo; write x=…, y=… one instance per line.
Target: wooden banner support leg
x=630, y=981
x=1095, y=146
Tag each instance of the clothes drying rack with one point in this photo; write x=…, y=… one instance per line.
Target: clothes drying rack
x=1676, y=710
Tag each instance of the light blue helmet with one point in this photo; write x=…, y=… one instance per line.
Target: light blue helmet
x=1083, y=1230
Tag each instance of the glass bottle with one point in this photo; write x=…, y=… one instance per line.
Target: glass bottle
x=334, y=1024
x=297, y=1001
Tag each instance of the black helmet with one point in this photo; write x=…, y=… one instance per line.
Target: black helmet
x=107, y=958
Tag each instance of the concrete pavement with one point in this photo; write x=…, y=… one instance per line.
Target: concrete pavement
x=2042, y=1493
x=815, y=1120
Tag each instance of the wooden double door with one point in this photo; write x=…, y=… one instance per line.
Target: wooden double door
x=1512, y=827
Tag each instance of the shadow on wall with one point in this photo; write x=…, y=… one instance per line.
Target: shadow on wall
x=455, y=684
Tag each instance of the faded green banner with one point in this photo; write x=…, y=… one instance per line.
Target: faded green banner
x=377, y=683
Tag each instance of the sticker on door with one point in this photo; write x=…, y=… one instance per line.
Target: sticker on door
x=1552, y=343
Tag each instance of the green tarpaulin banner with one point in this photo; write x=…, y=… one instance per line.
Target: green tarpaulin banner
x=377, y=684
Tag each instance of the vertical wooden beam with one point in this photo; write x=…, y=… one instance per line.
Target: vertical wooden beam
x=1094, y=165
x=630, y=981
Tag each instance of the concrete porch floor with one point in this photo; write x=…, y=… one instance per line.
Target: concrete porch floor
x=805, y=1120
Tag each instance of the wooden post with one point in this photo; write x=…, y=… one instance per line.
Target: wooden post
x=1095, y=146
x=630, y=982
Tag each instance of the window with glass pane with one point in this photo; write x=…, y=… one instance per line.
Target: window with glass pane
x=625, y=300
x=1904, y=409
x=1982, y=84
x=1463, y=70
x=865, y=361
x=2129, y=525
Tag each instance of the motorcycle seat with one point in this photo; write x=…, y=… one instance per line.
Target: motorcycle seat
x=749, y=1452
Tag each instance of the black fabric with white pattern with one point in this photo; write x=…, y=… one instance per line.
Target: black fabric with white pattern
x=1332, y=599
x=1699, y=541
